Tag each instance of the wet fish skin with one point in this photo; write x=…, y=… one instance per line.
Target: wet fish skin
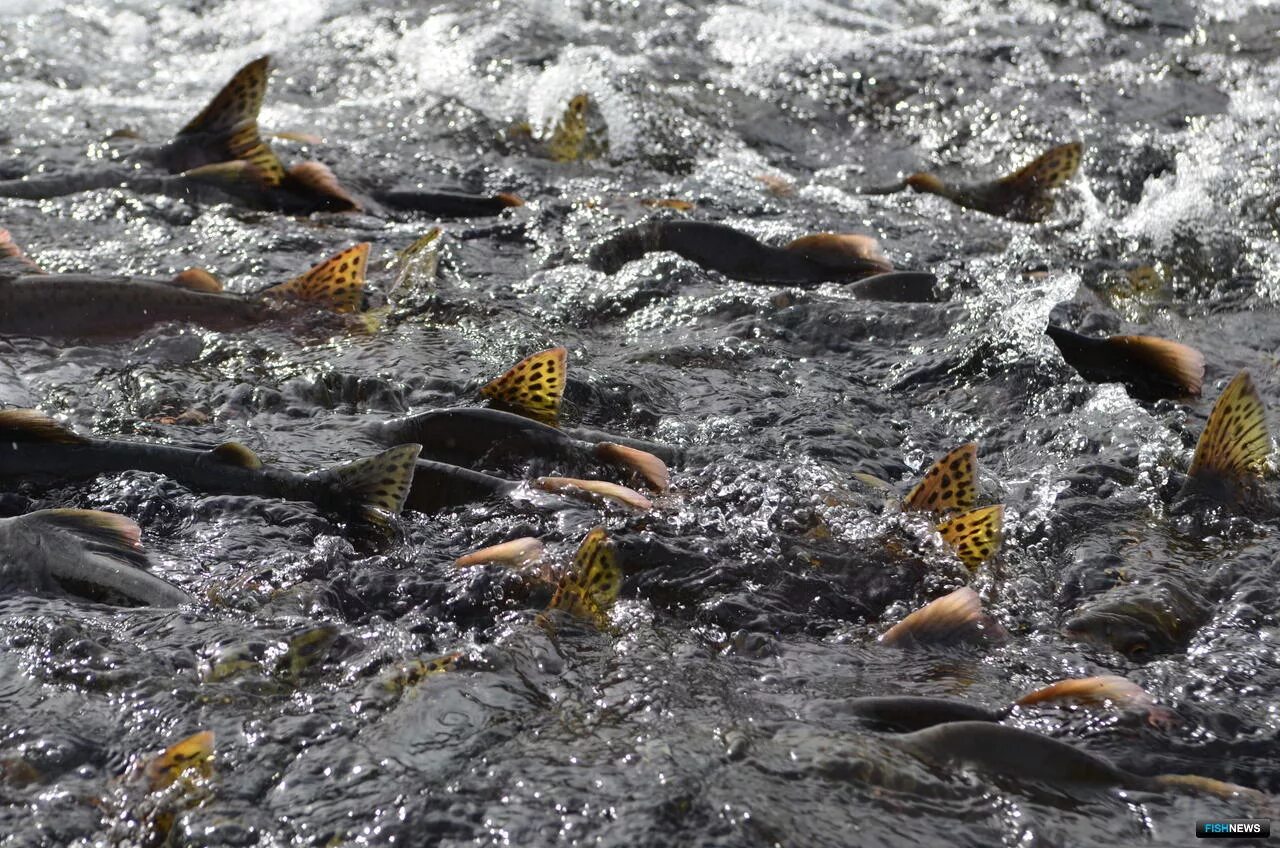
x=1141, y=621
x=439, y=485
x=473, y=436
x=1149, y=368
x=916, y=712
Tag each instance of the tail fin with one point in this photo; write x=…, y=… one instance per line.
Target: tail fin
x=648, y=466
x=596, y=489
x=1050, y=169
x=570, y=140
x=380, y=484
x=194, y=752
x=590, y=588
x=1235, y=443
x=336, y=284
x=950, y=484
x=952, y=618
x=974, y=535
x=111, y=556
x=842, y=250
x=315, y=178
x=227, y=128
x=534, y=386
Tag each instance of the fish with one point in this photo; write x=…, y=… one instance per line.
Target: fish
x=1141, y=621
x=88, y=553
x=589, y=587
x=1022, y=196
x=1231, y=454
x=949, y=489
x=219, y=156
x=1150, y=368
x=88, y=306
x=1107, y=689
x=955, y=618
x=35, y=448
x=438, y=486
x=806, y=261
x=1026, y=756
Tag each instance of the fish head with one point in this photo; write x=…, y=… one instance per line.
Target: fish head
x=1136, y=629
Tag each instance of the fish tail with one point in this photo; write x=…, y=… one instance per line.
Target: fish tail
x=1235, y=444
x=843, y=251
x=336, y=284
x=379, y=484
x=1208, y=785
x=534, y=386
x=1050, y=169
x=974, y=535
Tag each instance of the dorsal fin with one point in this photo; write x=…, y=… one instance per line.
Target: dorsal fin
x=974, y=535
x=239, y=100
x=336, y=284
x=950, y=619
x=315, y=178
x=1235, y=443
x=568, y=141
x=590, y=587
x=842, y=250
x=9, y=250
x=1050, y=169
x=197, y=279
x=949, y=485
x=1091, y=690
x=533, y=386
x=193, y=752
x=593, y=489
x=234, y=453
x=27, y=425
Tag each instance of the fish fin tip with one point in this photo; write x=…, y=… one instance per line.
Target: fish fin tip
x=1180, y=364
x=234, y=453
x=534, y=386
x=28, y=425
x=591, y=586
x=842, y=250
x=317, y=178
x=516, y=553
x=974, y=535
x=1050, y=169
x=336, y=284
x=198, y=280
x=951, y=618
x=194, y=751
x=651, y=468
x=949, y=485
x=611, y=492
x=380, y=483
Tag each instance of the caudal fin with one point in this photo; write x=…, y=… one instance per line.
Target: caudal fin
x=951, y=619
x=534, y=386
x=110, y=559
x=974, y=535
x=379, y=484
x=1050, y=169
x=315, y=179
x=194, y=752
x=336, y=284
x=1235, y=443
x=648, y=466
x=227, y=128
x=590, y=588
x=950, y=484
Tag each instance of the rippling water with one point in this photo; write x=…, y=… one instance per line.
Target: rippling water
x=756, y=587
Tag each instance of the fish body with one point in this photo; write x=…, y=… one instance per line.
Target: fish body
x=439, y=485
x=1148, y=367
x=915, y=712
x=1141, y=621
x=83, y=552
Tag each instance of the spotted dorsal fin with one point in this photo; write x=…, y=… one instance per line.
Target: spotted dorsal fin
x=336, y=284
x=950, y=484
x=239, y=101
x=197, y=279
x=27, y=425
x=974, y=535
x=379, y=485
x=569, y=139
x=953, y=618
x=533, y=386
x=590, y=587
x=842, y=250
x=227, y=128
x=234, y=453
x=316, y=179
x=1050, y=169
x=194, y=752
x=1235, y=443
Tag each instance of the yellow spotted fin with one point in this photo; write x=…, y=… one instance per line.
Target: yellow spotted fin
x=197, y=279
x=234, y=453
x=590, y=587
x=336, y=284
x=516, y=553
x=1050, y=169
x=974, y=535
x=27, y=425
x=379, y=485
x=1235, y=443
x=842, y=250
x=569, y=139
x=648, y=466
x=227, y=128
x=950, y=484
x=415, y=671
x=953, y=618
x=534, y=386
x=308, y=648
x=194, y=752
x=596, y=490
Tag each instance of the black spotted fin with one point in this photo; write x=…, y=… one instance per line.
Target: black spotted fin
x=571, y=139
x=193, y=753
x=950, y=484
x=534, y=386
x=28, y=425
x=954, y=618
x=336, y=284
x=197, y=279
x=227, y=128
x=651, y=468
x=104, y=555
x=379, y=484
x=974, y=535
x=234, y=453
x=590, y=588
x=842, y=250
x=1050, y=169
x=1232, y=452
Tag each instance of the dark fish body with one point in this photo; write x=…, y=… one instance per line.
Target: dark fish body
x=1019, y=754
x=476, y=437
x=743, y=257
x=1142, y=620
x=914, y=712
x=82, y=305
x=200, y=470
x=444, y=204
x=438, y=485
x=1149, y=368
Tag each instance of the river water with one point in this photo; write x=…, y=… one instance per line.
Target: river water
x=755, y=589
